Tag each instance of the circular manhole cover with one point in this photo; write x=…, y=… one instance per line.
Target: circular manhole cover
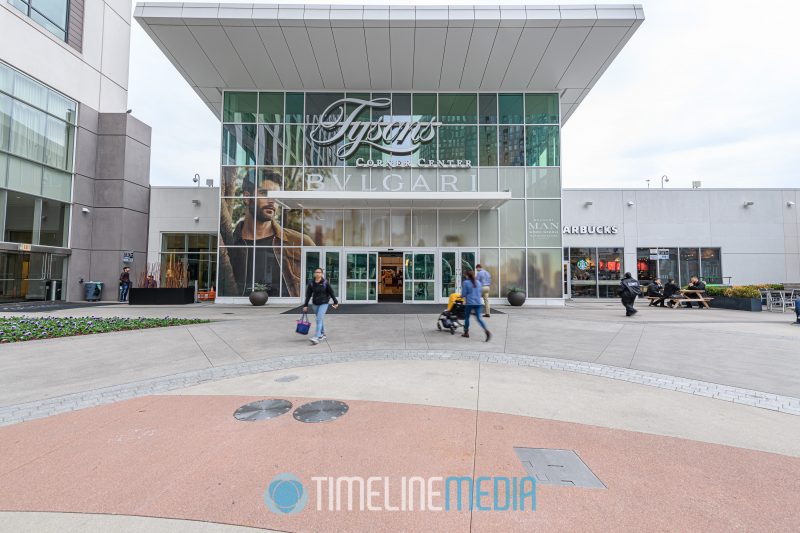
x=320, y=411
x=262, y=410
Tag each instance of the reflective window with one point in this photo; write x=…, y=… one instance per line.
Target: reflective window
x=646, y=266
x=541, y=108
x=487, y=146
x=511, y=109
x=544, y=223
x=458, y=108
x=458, y=143
x=458, y=228
x=711, y=265
x=490, y=261
x=542, y=145
x=512, y=223
x=270, y=107
x=543, y=182
x=238, y=144
x=54, y=227
x=50, y=14
x=512, y=146
x=401, y=227
x=544, y=273
x=423, y=225
x=512, y=270
x=356, y=227
x=423, y=106
x=240, y=107
x=270, y=144
x=489, y=227
x=610, y=265
x=294, y=107
x=380, y=227
x=690, y=264
x=323, y=227
x=19, y=217
x=487, y=113
x=583, y=272
x=512, y=180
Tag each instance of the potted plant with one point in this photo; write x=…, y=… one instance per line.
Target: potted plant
x=259, y=295
x=516, y=296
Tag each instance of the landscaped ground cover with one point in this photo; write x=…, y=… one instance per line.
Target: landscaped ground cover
x=14, y=329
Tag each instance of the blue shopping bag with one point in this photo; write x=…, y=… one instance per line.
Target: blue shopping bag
x=303, y=325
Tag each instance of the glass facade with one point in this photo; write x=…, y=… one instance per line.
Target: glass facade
x=679, y=264
x=391, y=142
x=37, y=129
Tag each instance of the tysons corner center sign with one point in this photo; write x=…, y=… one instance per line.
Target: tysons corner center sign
x=337, y=126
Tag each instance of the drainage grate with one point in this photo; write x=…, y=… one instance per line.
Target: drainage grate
x=320, y=411
x=557, y=467
x=286, y=379
x=262, y=410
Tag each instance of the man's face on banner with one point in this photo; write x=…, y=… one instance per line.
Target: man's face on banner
x=265, y=208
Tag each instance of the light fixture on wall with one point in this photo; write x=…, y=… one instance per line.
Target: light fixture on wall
x=789, y=203
x=748, y=203
x=197, y=219
x=587, y=204
x=85, y=210
x=630, y=203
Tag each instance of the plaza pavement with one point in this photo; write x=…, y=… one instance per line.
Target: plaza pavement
x=670, y=409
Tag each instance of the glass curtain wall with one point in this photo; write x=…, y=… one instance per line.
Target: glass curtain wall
x=37, y=127
x=679, y=264
x=273, y=141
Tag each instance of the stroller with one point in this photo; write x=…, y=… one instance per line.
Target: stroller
x=451, y=317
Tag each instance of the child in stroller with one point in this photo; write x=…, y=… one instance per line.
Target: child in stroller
x=451, y=317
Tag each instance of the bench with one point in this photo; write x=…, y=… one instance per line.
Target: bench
x=677, y=301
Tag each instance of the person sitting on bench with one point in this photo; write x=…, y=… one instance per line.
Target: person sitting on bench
x=672, y=292
x=696, y=285
x=656, y=289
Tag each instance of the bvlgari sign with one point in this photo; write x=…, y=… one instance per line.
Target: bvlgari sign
x=337, y=126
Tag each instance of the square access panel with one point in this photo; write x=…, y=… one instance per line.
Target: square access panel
x=557, y=467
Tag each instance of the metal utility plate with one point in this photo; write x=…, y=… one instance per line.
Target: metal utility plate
x=320, y=411
x=557, y=467
x=286, y=379
x=262, y=410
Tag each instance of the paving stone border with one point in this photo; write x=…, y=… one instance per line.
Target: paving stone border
x=40, y=409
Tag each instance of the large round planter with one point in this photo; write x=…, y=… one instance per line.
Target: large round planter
x=516, y=298
x=258, y=297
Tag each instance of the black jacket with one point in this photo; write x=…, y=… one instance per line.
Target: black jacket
x=655, y=290
x=629, y=288
x=319, y=293
x=699, y=286
x=670, y=289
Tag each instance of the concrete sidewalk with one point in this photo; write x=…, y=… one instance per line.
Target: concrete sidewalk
x=749, y=350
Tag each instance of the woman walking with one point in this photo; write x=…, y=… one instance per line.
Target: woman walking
x=319, y=292
x=473, y=303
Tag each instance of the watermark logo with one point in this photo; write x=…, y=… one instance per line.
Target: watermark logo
x=285, y=494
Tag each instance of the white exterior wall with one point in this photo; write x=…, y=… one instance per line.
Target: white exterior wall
x=97, y=76
x=759, y=243
x=172, y=211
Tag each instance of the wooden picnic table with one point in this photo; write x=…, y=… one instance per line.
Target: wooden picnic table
x=702, y=299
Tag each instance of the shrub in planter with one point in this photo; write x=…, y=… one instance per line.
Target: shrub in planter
x=516, y=296
x=260, y=295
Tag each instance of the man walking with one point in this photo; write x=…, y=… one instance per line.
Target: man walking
x=485, y=280
x=124, y=284
x=629, y=290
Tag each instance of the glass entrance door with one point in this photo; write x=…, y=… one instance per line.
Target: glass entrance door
x=328, y=261
x=361, y=277
x=452, y=265
x=419, y=276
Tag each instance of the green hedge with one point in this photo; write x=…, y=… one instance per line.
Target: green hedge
x=736, y=291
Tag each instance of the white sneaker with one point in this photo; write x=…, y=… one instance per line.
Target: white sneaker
x=323, y=338
x=314, y=340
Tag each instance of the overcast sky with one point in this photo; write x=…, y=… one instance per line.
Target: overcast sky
x=705, y=90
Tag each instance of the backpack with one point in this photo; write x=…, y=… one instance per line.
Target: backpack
x=632, y=287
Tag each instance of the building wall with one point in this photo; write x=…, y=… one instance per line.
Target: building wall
x=760, y=243
x=112, y=181
x=172, y=210
x=96, y=74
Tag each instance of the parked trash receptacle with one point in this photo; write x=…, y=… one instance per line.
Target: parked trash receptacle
x=93, y=290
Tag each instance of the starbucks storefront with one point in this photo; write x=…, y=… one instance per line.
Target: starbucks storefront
x=393, y=168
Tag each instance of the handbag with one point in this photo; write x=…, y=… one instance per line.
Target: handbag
x=303, y=325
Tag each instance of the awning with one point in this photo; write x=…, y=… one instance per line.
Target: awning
x=276, y=46
x=364, y=200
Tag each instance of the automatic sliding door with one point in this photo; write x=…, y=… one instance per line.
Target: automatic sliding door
x=452, y=266
x=420, y=276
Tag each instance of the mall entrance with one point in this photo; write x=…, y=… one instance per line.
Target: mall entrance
x=26, y=276
x=402, y=276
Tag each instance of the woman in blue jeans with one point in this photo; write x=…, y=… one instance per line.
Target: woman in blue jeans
x=473, y=303
x=320, y=293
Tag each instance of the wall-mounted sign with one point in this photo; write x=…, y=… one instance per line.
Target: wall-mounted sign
x=127, y=257
x=422, y=163
x=396, y=137
x=659, y=254
x=341, y=179
x=590, y=230
x=24, y=247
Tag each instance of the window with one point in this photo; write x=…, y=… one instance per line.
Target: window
x=711, y=265
x=690, y=264
x=679, y=264
x=189, y=256
x=50, y=14
x=583, y=272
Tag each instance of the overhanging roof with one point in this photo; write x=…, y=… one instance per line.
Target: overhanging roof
x=363, y=200
x=272, y=46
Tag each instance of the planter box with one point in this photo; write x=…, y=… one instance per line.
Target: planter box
x=739, y=304
x=143, y=296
